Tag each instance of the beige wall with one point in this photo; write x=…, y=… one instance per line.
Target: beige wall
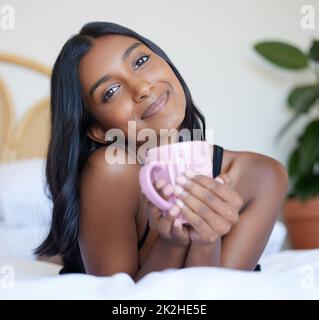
x=210, y=42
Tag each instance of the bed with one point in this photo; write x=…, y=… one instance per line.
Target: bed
x=285, y=275
x=25, y=219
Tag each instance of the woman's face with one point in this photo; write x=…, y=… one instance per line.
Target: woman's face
x=119, y=85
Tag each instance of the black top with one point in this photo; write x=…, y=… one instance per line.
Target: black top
x=73, y=261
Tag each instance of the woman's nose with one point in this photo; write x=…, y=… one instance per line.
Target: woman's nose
x=142, y=89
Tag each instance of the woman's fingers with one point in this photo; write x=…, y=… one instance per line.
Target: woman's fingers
x=206, y=190
x=220, y=186
x=159, y=220
x=210, y=207
x=199, y=225
x=167, y=223
x=201, y=215
x=180, y=232
x=165, y=190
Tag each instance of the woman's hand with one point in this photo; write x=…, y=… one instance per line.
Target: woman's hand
x=165, y=222
x=209, y=205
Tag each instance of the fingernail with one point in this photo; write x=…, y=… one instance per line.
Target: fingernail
x=180, y=203
x=220, y=180
x=177, y=223
x=178, y=190
x=165, y=213
x=173, y=211
x=181, y=180
x=159, y=183
x=168, y=190
x=190, y=174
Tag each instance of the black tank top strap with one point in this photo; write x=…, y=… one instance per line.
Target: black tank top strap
x=217, y=160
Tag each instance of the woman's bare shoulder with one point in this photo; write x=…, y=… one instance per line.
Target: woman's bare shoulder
x=249, y=170
x=247, y=158
x=120, y=177
x=114, y=158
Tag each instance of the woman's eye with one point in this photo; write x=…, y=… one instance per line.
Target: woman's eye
x=108, y=95
x=143, y=59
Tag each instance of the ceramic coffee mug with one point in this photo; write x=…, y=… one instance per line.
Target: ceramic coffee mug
x=169, y=161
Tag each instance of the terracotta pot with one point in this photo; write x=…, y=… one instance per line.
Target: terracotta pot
x=302, y=221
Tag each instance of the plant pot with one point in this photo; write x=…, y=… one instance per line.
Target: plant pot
x=302, y=221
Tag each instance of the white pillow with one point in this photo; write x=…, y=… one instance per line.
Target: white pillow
x=23, y=201
x=20, y=242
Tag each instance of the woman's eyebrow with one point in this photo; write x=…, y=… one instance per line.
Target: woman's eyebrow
x=125, y=56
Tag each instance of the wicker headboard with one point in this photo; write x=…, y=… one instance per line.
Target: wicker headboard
x=27, y=138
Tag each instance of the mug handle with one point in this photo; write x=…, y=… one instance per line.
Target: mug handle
x=148, y=188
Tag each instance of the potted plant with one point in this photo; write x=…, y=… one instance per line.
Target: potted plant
x=301, y=208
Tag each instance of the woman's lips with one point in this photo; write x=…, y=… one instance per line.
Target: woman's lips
x=155, y=107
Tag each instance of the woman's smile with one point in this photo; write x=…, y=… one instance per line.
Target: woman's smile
x=157, y=106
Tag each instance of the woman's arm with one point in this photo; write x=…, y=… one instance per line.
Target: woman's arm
x=204, y=255
x=244, y=244
x=163, y=255
x=108, y=236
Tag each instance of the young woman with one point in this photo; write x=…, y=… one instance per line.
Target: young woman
x=104, y=77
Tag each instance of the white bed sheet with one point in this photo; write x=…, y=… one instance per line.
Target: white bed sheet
x=286, y=275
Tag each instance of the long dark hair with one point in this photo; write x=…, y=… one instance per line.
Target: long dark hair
x=69, y=145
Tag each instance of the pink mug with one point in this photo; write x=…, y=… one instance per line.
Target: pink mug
x=169, y=161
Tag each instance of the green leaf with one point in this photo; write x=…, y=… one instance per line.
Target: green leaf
x=309, y=147
x=293, y=164
x=282, y=54
x=301, y=99
x=314, y=51
x=303, y=178
x=307, y=187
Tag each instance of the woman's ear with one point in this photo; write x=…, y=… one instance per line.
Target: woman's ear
x=96, y=133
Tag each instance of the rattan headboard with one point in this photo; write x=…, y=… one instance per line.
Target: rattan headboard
x=27, y=138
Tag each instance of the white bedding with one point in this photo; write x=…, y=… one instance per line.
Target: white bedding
x=286, y=275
